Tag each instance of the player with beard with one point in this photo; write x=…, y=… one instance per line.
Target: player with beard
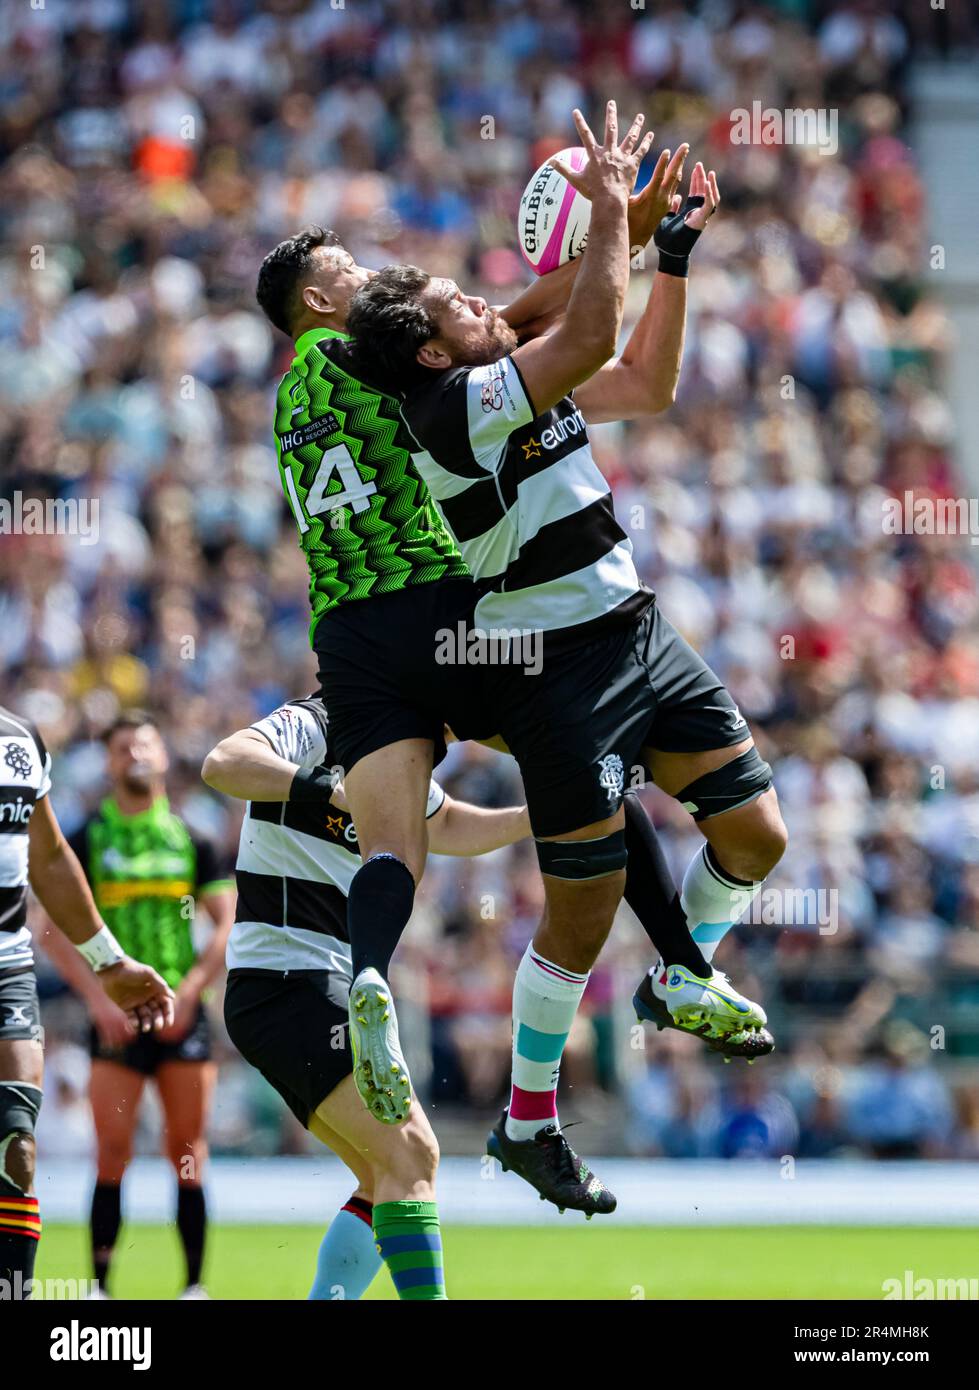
x=370, y=532
x=149, y=873
x=500, y=434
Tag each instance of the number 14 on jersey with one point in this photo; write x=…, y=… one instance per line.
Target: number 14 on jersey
x=354, y=491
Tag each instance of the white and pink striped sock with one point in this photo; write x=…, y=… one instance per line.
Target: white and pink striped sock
x=545, y=1000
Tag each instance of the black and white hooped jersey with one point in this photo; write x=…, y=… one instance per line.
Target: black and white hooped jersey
x=295, y=862
x=25, y=777
x=528, y=506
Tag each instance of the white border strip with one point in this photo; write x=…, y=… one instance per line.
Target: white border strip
x=473, y=1191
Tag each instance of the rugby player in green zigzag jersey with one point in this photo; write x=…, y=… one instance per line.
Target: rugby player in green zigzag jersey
x=367, y=524
x=386, y=576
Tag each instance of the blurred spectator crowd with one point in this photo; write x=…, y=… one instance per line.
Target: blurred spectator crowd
x=150, y=154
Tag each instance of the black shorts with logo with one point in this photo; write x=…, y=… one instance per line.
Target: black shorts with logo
x=389, y=670
x=577, y=729
x=292, y=1027
x=20, y=1013
x=147, y=1051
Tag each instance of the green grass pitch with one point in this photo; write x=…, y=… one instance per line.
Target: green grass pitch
x=577, y=1262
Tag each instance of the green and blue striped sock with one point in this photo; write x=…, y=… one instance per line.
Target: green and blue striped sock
x=410, y=1242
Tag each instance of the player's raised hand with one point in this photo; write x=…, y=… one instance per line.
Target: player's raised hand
x=704, y=186
x=648, y=208
x=140, y=992
x=609, y=173
x=677, y=234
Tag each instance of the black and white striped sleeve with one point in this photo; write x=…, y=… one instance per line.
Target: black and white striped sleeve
x=465, y=418
x=296, y=733
x=44, y=784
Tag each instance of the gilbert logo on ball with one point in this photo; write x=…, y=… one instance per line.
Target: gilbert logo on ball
x=553, y=220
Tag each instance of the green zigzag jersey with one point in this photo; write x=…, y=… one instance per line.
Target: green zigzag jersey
x=367, y=523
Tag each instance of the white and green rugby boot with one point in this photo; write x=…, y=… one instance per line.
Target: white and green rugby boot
x=749, y=1043
x=712, y=1000
x=380, y=1072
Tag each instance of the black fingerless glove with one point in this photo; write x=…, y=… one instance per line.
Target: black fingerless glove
x=312, y=786
x=675, y=240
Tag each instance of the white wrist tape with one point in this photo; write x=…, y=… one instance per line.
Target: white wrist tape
x=102, y=950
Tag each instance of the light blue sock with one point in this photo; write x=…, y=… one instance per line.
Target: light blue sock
x=348, y=1258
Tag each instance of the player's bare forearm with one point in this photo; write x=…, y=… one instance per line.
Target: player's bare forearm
x=597, y=301
x=552, y=366
x=537, y=308
x=72, y=968
x=464, y=830
x=644, y=379
x=58, y=879
x=245, y=766
x=220, y=907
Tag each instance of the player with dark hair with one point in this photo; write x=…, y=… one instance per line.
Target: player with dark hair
x=34, y=852
x=149, y=874
x=370, y=531
x=500, y=432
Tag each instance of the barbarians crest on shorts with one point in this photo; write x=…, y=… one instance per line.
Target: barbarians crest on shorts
x=611, y=775
x=18, y=760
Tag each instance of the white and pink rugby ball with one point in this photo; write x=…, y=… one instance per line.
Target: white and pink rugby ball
x=552, y=223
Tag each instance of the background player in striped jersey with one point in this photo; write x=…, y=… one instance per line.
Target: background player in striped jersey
x=503, y=446
x=34, y=852
x=289, y=964
x=149, y=873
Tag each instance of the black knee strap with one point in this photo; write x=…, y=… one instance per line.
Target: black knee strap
x=741, y=780
x=20, y=1105
x=581, y=859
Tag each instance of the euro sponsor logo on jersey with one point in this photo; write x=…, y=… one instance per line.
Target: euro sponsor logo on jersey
x=568, y=426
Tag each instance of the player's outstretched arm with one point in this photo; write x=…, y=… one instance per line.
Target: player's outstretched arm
x=644, y=379
x=246, y=766
x=460, y=828
x=553, y=365
x=61, y=887
x=538, y=308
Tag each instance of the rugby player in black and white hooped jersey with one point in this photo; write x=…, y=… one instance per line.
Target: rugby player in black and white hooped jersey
x=35, y=854
x=501, y=439
x=289, y=978
x=386, y=579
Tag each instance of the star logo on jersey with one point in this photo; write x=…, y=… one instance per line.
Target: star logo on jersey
x=18, y=760
x=531, y=450
x=335, y=824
